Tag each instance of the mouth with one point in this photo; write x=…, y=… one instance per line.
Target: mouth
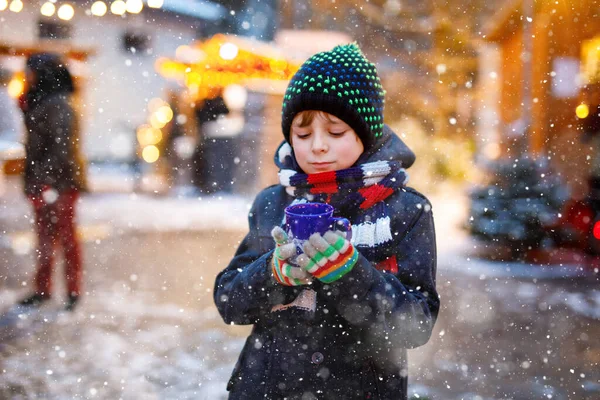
x=320, y=165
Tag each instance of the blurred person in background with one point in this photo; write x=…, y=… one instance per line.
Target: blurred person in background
x=54, y=173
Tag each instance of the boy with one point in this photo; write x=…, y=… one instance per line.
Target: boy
x=335, y=321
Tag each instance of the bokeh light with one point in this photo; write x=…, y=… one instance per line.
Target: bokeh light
x=228, y=51
x=99, y=8
x=134, y=6
x=155, y=3
x=596, y=230
x=118, y=7
x=147, y=135
x=582, y=111
x=154, y=104
x=155, y=122
x=150, y=154
x=16, y=6
x=164, y=114
x=65, y=12
x=47, y=9
x=15, y=87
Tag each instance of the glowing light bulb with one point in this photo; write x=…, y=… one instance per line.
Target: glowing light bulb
x=134, y=6
x=164, y=114
x=155, y=3
x=154, y=104
x=16, y=6
x=150, y=154
x=47, y=9
x=3, y=5
x=99, y=9
x=582, y=111
x=65, y=12
x=147, y=135
x=15, y=87
x=118, y=7
x=156, y=122
x=228, y=51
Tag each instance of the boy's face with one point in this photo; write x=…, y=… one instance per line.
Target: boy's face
x=325, y=143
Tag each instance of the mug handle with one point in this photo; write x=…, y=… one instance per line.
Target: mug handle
x=342, y=224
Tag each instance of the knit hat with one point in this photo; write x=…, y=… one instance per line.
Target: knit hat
x=341, y=82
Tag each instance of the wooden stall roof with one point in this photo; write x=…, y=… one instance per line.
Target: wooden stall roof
x=77, y=53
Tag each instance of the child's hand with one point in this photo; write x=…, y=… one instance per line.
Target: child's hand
x=283, y=270
x=328, y=257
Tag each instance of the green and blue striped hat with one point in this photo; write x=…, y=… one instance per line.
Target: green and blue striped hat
x=341, y=82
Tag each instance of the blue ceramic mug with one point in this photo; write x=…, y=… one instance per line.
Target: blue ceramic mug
x=302, y=220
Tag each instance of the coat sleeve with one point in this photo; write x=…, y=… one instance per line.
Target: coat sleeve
x=244, y=292
x=398, y=308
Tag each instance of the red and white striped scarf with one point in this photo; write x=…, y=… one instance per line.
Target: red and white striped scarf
x=357, y=193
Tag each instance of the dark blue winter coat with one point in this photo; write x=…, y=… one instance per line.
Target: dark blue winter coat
x=354, y=345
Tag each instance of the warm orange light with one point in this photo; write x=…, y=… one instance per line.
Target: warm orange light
x=155, y=122
x=16, y=6
x=3, y=5
x=150, y=154
x=134, y=6
x=491, y=151
x=228, y=51
x=147, y=135
x=155, y=103
x=99, y=9
x=224, y=61
x=582, y=111
x=118, y=7
x=16, y=86
x=164, y=114
x=66, y=12
x=155, y=3
x=47, y=9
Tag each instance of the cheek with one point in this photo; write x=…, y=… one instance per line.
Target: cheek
x=299, y=152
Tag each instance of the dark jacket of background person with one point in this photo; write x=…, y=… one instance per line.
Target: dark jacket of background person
x=354, y=345
x=53, y=155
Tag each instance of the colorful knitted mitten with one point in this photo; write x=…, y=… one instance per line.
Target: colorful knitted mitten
x=282, y=267
x=328, y=257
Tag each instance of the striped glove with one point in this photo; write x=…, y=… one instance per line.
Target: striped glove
x=328, y=257
x=284, y=270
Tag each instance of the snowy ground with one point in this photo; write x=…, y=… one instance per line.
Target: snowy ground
x=147, y=327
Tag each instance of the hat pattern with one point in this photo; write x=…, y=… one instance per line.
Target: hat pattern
x=341, y=82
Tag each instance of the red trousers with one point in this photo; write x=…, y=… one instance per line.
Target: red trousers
x=55, y=226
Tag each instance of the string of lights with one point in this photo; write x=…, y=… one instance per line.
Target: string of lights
x=66, y=11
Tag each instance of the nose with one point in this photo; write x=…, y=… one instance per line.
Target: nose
x=319, y=143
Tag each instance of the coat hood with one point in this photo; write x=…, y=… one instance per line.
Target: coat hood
x=389, y=147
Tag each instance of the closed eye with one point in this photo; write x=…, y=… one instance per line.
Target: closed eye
x=337, y=134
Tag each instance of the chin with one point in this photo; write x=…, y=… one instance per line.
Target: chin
x=314, y=170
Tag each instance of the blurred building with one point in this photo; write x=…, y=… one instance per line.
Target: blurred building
x=548, y=80
x=112, y=46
